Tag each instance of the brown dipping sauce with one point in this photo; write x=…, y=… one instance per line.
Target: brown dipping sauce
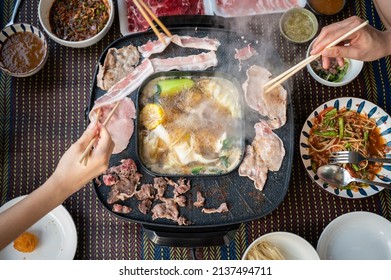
x=327, y=7
x=22, y=52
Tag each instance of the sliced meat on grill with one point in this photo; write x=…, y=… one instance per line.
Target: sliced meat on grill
x=160, y=185
x=244, y=54
x=145, y=206
x=269, y=146
x=121, y=124
x=127, y=180
x=200, y=200
x=110, y=179
x=182, y=221
x=122, y=190
x=167, y=210
x=180, y=200
x=180, y=187
x=254, y=167
x=272, y=104
x=221, y=209
x=157, y=46
x=200, y=61
x=146, y=192
x=118, y=63
x=122, y=209
x=265, y=153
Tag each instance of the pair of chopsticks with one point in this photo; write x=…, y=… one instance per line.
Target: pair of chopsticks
x=145, y=10
x=84, y=157
x=293, y=70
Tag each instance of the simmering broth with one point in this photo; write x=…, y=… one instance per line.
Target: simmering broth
x=190, y=125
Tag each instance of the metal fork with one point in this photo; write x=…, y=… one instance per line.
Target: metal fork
x=354, y=157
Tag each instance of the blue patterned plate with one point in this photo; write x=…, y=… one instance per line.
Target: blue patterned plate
x=361, y=106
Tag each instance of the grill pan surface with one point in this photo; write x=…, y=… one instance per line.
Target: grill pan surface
x=245, y=203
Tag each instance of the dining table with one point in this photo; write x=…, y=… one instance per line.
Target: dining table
x=42, y=115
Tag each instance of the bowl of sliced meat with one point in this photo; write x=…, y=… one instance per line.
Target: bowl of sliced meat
x=190, y=124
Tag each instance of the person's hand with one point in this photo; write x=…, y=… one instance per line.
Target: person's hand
x=73, y=175
x=366, y=44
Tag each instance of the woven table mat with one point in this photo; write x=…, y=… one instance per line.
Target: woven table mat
x=42, y=115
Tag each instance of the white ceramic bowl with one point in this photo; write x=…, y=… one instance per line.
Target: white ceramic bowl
x=44, y=11
x=355, y=67
x=291, y=12
x=356, y=236
x=291, y=246
x=23, y=27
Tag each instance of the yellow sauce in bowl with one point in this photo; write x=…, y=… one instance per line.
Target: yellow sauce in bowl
x=298, y=26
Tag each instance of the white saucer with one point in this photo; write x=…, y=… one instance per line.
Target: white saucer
x=356, y=236
x=56, y=233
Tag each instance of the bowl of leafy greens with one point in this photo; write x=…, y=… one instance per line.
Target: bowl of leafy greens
x=335, y=75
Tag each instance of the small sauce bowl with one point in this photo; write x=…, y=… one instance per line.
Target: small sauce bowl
x=353, y=70
x=326, y=7
x=298, y=25
x=23, y=50
x=45, y=13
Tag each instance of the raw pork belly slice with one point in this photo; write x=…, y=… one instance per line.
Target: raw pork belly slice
x=252, y=7
x=245, y=53
x=148, y=66
x=118, y=63
x=153, y=47
x=124, y=87
x=270, y=104
x=121, y=125
x=185, y=63
x=265, y=153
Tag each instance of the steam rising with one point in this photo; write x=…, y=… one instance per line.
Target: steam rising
x=204, y=124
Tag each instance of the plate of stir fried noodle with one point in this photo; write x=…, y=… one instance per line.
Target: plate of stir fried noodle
x=348, y=124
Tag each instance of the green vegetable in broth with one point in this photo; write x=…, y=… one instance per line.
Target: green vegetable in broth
x=173, y=86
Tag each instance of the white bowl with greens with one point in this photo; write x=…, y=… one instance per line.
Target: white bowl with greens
x=336, y=75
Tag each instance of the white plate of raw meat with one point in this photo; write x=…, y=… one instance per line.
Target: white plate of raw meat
x=131, y=21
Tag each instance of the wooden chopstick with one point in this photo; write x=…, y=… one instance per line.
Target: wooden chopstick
x=86, y=152
x=293, y=70
x=162, y=26
x=142, y=8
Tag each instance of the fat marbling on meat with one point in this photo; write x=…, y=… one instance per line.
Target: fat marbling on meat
x=127, y=181
x=118, y=63
x=253, y=7
x=121, y=125
x=157, y=46
x=271, y=104
x=265, y=153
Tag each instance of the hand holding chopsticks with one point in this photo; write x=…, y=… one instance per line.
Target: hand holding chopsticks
x=85, y=155
x=145, y=10
x=293, y=70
